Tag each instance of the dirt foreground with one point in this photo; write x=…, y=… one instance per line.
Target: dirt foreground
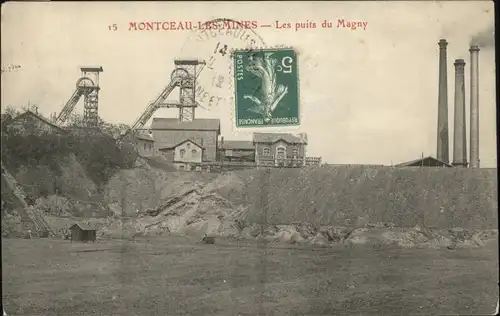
x=176, y=276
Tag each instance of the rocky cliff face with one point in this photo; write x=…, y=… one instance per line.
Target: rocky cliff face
x=149, y=198
x=60, y=175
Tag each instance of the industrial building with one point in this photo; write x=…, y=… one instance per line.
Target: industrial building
x=265, y=150
x=170, y=132
x=459, y=115
x=31, y=123
x=241, y=151
x=185, y=155
x=186, y=141
x=145, y=144
x=425, y=162
x=269, y=150
x=171, y=137
x=192, y=143
x=280, y=149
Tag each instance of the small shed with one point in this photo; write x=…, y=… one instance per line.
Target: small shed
x=82, y=232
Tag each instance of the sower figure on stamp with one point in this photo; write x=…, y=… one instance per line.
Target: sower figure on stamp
x=265, y=81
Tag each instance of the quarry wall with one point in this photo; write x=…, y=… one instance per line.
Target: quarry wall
x=339, y=196
x=354, y=196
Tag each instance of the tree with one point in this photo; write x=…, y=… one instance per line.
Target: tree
x=113, y=130
x=11, y=111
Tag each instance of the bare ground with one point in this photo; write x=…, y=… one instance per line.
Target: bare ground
x=176, y=276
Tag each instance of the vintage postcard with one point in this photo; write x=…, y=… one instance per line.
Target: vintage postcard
x=249, y=158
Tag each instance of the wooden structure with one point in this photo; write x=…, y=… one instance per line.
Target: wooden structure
x=82, y=232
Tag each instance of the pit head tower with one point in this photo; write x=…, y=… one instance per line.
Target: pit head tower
x=91, y=95
x=88, y=87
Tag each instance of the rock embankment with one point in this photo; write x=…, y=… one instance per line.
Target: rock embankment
x=197, y=207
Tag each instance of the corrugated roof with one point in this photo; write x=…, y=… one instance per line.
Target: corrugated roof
x=274, y=137
x=164, y=123
x=238, y=144
x=83, y=226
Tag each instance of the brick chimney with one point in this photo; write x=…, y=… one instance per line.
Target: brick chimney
x=474, y=107
x=459, y=128
x=442, y=127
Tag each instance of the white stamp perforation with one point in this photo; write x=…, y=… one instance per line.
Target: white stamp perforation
x=265, y=87
x=260, y=48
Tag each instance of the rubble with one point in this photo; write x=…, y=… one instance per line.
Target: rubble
x=193, y=205
x=147, y=200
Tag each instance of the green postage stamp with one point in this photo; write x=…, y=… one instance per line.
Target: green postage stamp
x=266, y=87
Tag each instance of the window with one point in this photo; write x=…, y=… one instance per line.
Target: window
x=182, y=152
x=280, y=153
x=150, y=146
x=295, y=152
x=144, y=146
x=193, y=151
x=266, y=151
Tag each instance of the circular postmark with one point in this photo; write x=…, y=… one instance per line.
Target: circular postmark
x=213, y=42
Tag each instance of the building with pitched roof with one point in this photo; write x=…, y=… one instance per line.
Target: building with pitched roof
x=237, y=151
x=31, y=123
x=185, y=155
x=280, y=149
x=425, y=162
x=171, y=132
x=145, y=144
x=82, y=232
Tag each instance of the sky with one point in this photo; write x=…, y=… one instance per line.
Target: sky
x=367, y=96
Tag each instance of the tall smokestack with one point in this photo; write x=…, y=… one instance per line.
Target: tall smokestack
x=442, y=130
x=474, y=106
x=459, y=136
